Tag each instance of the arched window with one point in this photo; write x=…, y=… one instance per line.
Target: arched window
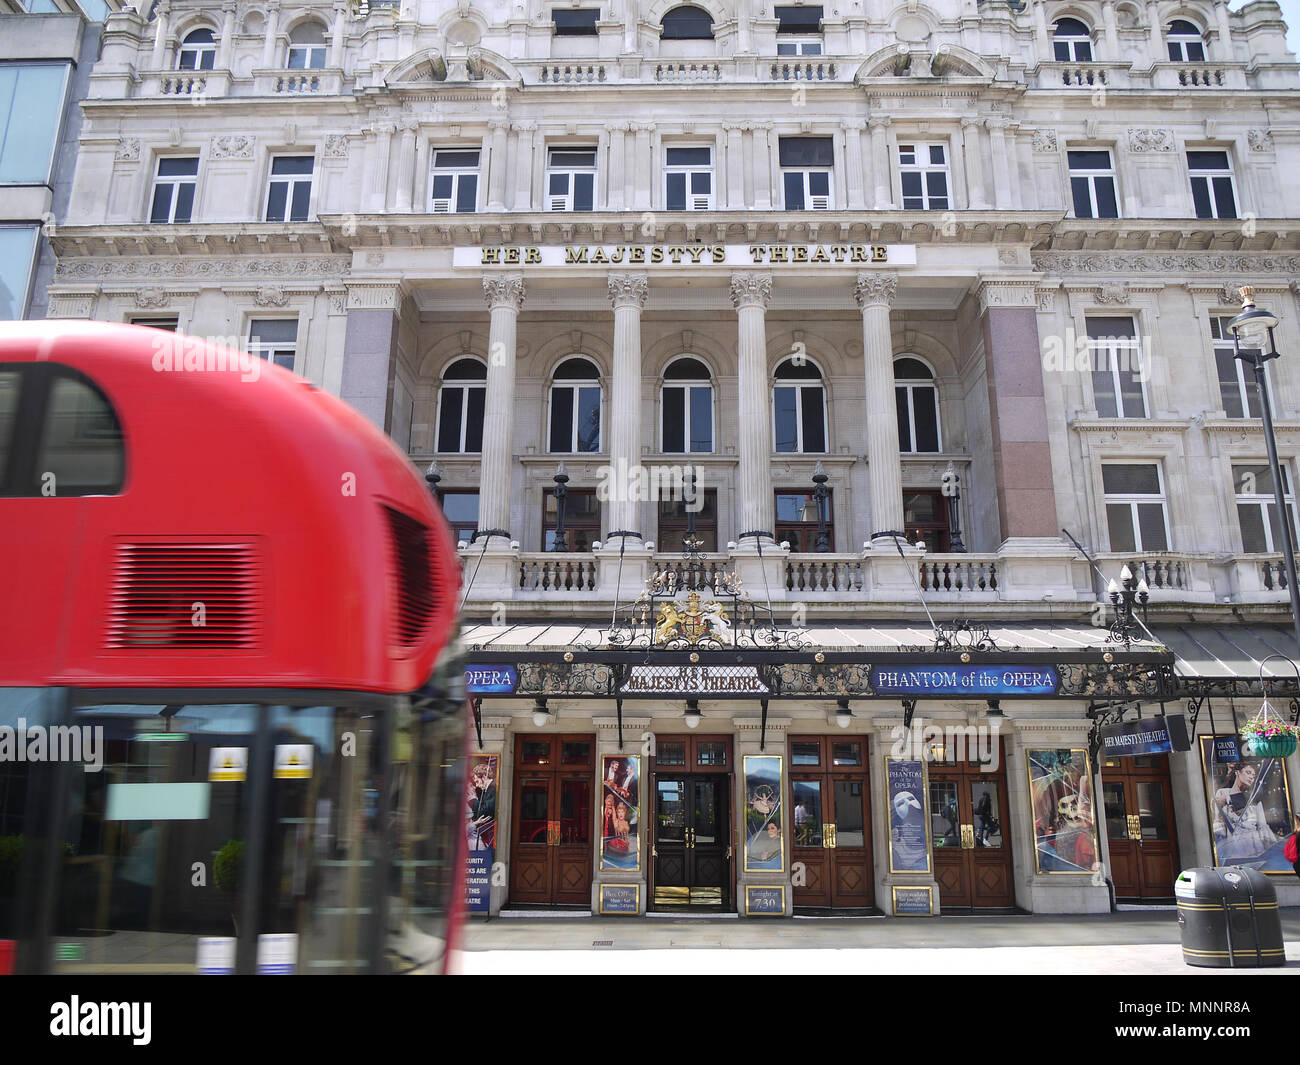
x=307, y=47
x=1186, y=45
x=799, y=406
x=460, y=406
x=575, y=407
x=198, y=51
x=688, y=23
x=686, y=406
x=918, y=406
x=1071, y=41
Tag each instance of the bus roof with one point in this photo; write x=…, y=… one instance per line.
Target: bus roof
x=264, y=533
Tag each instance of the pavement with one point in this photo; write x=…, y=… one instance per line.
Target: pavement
x=1126, y=942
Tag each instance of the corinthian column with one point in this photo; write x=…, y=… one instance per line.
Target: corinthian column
x=505, y=296
x=750, y=294
x=627, y=293
x=875, y=293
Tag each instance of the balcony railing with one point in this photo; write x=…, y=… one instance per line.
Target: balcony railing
x=558, y=574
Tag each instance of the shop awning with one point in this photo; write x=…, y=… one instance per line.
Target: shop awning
x=1212, y=659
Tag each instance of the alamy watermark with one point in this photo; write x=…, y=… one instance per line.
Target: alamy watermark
x=53, y=743
x=624, y=481
x=931, y=742
x=178, y=353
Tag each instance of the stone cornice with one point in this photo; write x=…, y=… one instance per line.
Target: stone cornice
x=216, y=269
x=1145, y=426
x=1178, y=263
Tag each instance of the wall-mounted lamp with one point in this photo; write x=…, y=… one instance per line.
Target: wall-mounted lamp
x=541, y=715
x=995, y=708
x=843, y=716
x=693, y=714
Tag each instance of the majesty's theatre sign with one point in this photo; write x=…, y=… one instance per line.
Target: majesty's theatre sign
x=685, y=255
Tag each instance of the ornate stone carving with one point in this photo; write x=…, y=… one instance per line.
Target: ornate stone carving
x=70, y=305
x=1046, y=300
x=628, y=290
x=1260, y=140
x=146, y=298
x=504, y=290
x=270, y=296
x=336, y=146
x=1112, y=292
x=1150, y=140
x=232, y=146
x=1045, y=140
x=374, y=258
x=875, y=290
x=1005, y=294
x=750, y=290
x=1054, y=262
x=218, y=268
x=338, y=303
x=128, y=150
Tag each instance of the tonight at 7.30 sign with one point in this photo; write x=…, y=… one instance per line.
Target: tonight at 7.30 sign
x=965, y=680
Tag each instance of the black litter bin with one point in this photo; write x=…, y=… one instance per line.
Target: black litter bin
x=1228, y=918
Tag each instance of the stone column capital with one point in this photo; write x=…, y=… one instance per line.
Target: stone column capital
x=850, y=124
x=879, y=122
x=751, y=290
x=628, y=290
x=875, y=290
x=645, y=127
x=525, y=127
x=617, y=127
x=504, y=290
x=498, y=125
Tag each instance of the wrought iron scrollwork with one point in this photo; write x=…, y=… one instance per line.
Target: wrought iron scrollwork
x=560, y=678
x=1110, y=681
x=835, y=679
x=961, y=634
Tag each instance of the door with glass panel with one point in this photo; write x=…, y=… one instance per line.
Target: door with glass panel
x=553, y=816
x=692, y=848
x=969, y=830
x=1140, y=831
x=831, y=835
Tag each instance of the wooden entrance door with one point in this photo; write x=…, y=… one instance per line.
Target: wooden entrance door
x=1140, y=826
x=691, y=856
x=831, y=843
x=553, y=816
x=970, y=832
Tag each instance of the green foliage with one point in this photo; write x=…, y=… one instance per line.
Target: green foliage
x=228, y=867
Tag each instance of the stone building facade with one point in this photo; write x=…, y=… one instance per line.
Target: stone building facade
x=766, y=242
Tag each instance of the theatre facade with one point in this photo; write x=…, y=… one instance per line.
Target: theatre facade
x=797, y=380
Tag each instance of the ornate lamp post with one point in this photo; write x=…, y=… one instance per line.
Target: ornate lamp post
x=561, y=479
x=1254, y=326
x=1124, y=596
x=433, y=475
x=951, y=489
x=821, y=494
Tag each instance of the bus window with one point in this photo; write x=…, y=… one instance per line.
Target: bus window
x=9, y=385
x=81, y=451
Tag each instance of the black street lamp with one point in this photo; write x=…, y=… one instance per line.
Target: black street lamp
x=950, y=486
x=433, y=475
x=1129, y=592
x=821, y=494
x=561, y=479
x=1252, y=325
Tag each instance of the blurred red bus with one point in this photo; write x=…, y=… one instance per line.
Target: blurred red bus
x=232, y=727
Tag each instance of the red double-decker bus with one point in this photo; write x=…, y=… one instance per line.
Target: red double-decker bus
x=232, y=726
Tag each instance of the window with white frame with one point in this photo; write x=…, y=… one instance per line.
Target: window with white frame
x=571, y=179
x=1257, y=507
x=453, y=188
x=274, y=339
x=798, y=29
x=1214, y=192
x=1071, y=41
x=799, y=407
x=307, y=47
x=1135, y=506
x=173, y=189
x=917, y=399
x=806, y=164
x=1236, y=378
x=686, y=405
x=1115, y=357
x=461, y=401
x=688, y=178
x=1186, y=43
x=923, y=176
x=289, y=193
x=1092, y=184
x=575, y=420
x=198, y=51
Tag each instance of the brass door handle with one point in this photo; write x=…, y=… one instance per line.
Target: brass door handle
x=1135, y=827
x=968, y=837
x=829, y=840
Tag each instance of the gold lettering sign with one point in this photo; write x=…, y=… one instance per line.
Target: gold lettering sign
x=683, y=254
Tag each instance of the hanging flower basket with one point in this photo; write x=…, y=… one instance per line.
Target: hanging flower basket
x=1267, y=735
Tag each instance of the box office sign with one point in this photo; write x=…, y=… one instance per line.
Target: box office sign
x=1153, y=735
x=965, y=680
x=620, y=898
x=685, y=255
x=913, y=901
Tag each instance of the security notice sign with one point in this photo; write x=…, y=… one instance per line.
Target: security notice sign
x=228, y=763
x=293, y=761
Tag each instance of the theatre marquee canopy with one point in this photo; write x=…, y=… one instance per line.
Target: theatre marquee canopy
x=893, y=662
